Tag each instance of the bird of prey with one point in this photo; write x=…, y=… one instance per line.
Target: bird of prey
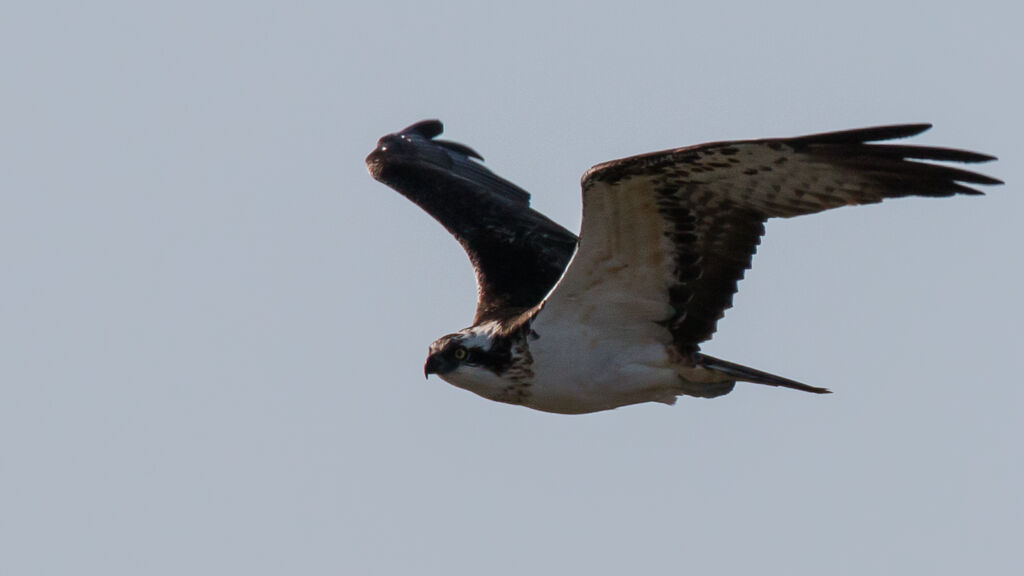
x=617, y=316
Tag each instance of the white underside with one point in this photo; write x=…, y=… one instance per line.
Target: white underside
x=579, y=369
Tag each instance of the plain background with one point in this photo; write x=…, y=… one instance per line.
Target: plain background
x=213, y=322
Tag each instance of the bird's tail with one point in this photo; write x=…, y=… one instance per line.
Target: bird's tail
x=745, y=374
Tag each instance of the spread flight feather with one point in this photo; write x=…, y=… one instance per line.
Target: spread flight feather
x=666, y=236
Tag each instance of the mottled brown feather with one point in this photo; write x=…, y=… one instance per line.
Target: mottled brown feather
x=714, y=199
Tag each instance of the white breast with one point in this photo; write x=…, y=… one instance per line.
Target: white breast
x=582, y=368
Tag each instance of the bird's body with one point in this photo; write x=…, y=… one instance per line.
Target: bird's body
x=665, y=239
x=573, y=369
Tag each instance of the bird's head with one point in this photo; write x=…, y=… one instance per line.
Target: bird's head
x=476, y=359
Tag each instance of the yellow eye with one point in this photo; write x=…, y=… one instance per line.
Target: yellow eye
x=459, y=353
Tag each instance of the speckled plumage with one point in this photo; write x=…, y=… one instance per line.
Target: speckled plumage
x=665, y=239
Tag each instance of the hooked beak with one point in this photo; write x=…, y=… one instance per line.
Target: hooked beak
x=437, y=364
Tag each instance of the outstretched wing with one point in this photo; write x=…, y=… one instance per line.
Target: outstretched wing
x=667, y=236
x=518, y=254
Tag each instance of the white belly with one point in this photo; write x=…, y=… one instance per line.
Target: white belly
x=581, y=371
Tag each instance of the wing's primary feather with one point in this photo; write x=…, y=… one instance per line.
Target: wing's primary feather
x=517, y=253
x=680, y=227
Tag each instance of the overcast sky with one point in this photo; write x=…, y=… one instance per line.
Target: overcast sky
x=213, y=322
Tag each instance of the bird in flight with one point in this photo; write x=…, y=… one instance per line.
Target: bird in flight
x=616, y=317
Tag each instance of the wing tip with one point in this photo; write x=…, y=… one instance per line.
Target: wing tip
x=970, y=157
x=431, y=128
x=864, y=135
x=860, y=148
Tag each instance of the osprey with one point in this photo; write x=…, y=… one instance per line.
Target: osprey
x=617, y=316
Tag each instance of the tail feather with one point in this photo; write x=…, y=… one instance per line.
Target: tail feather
x=745, y=374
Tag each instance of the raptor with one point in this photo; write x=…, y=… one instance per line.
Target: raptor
x=617, y=316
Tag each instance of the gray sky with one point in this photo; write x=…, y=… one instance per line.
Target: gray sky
x=213, y=322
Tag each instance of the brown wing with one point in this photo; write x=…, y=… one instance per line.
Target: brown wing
x=680, y=227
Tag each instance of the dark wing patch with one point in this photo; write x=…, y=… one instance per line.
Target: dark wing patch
x=713, y=200
x=518, y=254
x=711, y=258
